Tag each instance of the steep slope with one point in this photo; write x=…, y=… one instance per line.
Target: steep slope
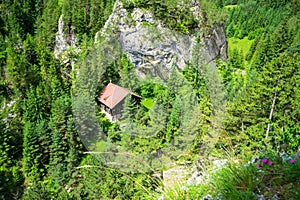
x=153, y=48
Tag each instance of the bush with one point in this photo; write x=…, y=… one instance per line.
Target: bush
x=235, y=181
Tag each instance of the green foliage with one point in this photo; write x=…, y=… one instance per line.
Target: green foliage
x=10, y=181
x=39, y=146
x=236, y=59
x=99, y=181
x=252, y=118
x=128, y=77
x=35, y=106
x=5, y=147
x=129, y=109
x=37, y=191
x=241, y=45
x=173, y=15
x=148, y=103
x=174, y=119
x=6, y=142
x=268, y=175
x=46, y=26
x=145, y=139
x=59, y=145
x=65, y=148
x=256, y=109
x=278, y=175
x=152, y=88
x=35, y=150
x=82, y=17
x=114, y=133
x=211, y=13
x=181, y=191
x=235, y=181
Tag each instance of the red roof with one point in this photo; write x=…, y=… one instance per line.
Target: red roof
x=112, y=95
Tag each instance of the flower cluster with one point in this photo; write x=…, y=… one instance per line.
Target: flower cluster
x=264, y=161
x=269, y=162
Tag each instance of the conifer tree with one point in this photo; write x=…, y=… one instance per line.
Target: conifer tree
x=264, y=54
x=174, y=120
x=65, y=146
x=6, y=146
x=281, y=38
x=36, y=140
x=35, y=150
x=14, y=70
x=128, y=75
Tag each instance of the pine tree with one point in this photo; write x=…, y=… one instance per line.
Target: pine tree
x=281, y=39
x=264, y=54
x=128, y=75
x=35, y=150
x=174, y=120
x=263, y=110
x=14, y=70
x=36, y=139
x=129, y=109
x=37, y=191
x=236, y=59
x=6, y=144
x=65, y=148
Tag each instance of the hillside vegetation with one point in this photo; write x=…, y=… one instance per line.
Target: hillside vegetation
x=249, y=106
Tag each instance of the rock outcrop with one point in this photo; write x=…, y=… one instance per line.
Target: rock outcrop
x=65, y=44
x=153, y=49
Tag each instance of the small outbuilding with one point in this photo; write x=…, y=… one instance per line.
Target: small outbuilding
x=111, y=100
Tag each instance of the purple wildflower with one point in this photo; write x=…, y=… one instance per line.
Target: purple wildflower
x=270, y=163
x=258, y=165
x=264, y=161
x=292, y=161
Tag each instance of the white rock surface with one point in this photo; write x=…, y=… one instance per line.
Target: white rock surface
x=64, y=44
x=154, y=49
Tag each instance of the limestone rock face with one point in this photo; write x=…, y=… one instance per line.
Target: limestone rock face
x=154, y=49
x=65, y=44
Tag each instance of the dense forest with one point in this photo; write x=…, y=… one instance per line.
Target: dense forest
x=249, y=106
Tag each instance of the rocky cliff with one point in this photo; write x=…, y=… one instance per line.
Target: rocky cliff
x=65, y=44
x=153, y=49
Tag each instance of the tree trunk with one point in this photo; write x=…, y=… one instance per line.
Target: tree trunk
x=282, y=126
x=271, y=114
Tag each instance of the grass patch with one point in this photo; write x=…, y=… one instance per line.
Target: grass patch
x=240, y=44
x=148, y=103
x=270, y=176
x=231, y=6
x=146, y=24
x=235, y=181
